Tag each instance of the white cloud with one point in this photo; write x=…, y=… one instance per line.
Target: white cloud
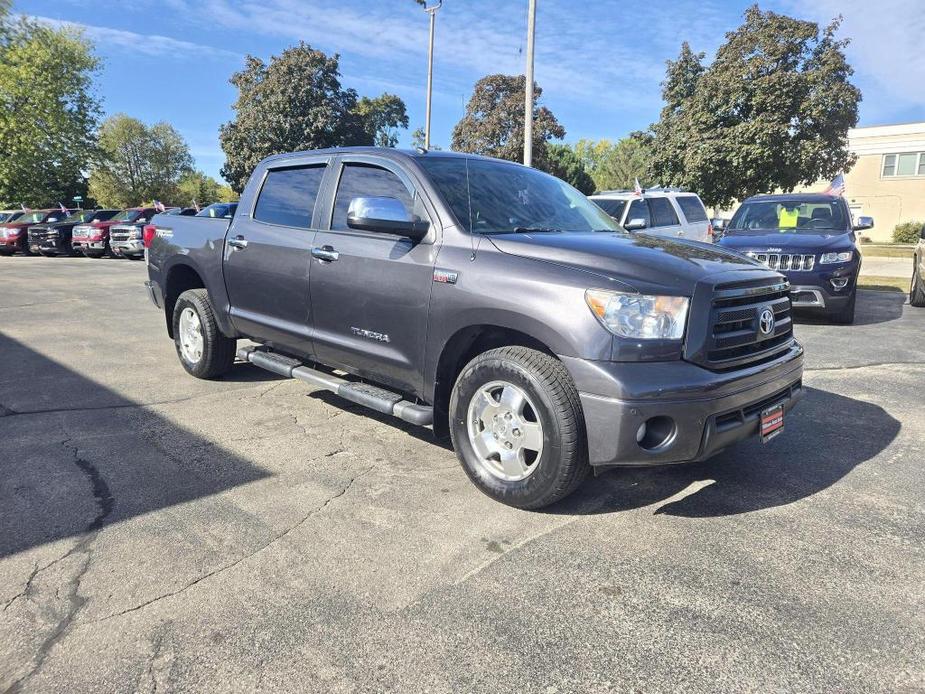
x=885, y=49
x=141, y=44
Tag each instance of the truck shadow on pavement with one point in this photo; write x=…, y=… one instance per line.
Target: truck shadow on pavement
x=873, y=307
x=825, y=438
x=76, y=456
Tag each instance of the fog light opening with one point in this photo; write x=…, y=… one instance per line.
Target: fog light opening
x=656, y=433
x=839, y=282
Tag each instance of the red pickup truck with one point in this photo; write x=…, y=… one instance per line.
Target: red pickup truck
x=14, y=233
x=93, y=239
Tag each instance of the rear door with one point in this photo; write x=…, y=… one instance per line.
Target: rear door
x=665, y=221
x=268, y=257
x=371, y=302
x=697, y=226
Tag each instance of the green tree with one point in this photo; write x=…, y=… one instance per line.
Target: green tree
x=138, y=162
x=618, y=165
x=563, y=162
x=48, y=112
x=382, y=116
x=198, y=187
x=772, y=111
x=417, y=140
x=296, y=102
x=494, y=121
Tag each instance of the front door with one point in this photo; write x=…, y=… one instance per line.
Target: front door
x=371, y=291
x=268, y=258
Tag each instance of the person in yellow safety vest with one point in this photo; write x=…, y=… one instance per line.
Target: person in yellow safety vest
x=788, y=217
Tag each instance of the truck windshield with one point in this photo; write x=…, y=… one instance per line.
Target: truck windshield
x=790, y=216
x=127, y=216
x=494, y=197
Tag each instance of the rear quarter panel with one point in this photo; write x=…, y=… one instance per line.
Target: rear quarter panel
x=196, y=242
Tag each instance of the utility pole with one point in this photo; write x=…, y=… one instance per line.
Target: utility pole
x=432, y=11
x=528, y=101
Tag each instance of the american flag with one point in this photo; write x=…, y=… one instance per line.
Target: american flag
x=159, y=206
x=836, y=187
x=637, y=189
x=62, y=208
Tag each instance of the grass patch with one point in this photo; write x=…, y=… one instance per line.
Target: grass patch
x=886, y=251
x=883, y=284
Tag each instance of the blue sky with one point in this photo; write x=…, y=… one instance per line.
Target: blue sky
x=599, y=63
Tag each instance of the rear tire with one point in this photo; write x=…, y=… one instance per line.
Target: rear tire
x=917, y=291
x=518, y=428
x=202, y=348
x=845, y=316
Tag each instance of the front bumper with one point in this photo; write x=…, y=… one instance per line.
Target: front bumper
x=707, y=411
x=128, y=247
x=89, y=247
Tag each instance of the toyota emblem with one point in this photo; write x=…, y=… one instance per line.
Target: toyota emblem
x=766, y=321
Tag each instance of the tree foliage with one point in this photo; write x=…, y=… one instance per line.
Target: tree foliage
x=48, y=112
x=562, y=162
x=200, y=188
x=771, y=111
x=381, y=117
x=493, y=124
x=138, y=162
x=615, y=165
x=296, y=102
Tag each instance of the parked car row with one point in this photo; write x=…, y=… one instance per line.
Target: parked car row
x=92, y=233
x=809, y=238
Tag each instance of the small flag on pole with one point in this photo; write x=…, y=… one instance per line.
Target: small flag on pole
x=24, y=208
x=637, y=189
x=159, y=206
x=836, y=187
x=196, y=205
x=62, y=208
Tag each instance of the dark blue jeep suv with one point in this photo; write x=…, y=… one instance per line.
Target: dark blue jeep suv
x=810, y=239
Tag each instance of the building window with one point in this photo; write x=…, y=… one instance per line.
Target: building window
x=904, y=164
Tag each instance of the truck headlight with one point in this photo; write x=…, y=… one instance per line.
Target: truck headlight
x=639, y=316
x=829, y=258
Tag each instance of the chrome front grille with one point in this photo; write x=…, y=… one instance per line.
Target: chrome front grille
x=735, y=338
x=121, y=233
x=784, y=261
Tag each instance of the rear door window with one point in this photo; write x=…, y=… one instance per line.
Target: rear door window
x=367, y=181
x=692, y=208
x=612, y=207
x=288, y=196
x=639, y=209
x=663, y=214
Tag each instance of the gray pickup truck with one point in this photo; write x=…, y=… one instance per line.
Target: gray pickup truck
x=489, y=300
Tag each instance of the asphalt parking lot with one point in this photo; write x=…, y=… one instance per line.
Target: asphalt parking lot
x=163, y=533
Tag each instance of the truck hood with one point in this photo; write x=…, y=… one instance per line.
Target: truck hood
x=646, y=263
x=788, y=242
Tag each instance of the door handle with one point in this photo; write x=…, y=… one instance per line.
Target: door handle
x=681, y=233
x=325, y=253
x=238, y=242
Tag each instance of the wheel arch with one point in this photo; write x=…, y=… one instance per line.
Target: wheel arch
x=459, y=349
x=179, y=278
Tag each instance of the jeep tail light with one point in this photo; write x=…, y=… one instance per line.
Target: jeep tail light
x=148, y=234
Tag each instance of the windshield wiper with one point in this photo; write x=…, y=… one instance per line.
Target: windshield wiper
x=534, y=230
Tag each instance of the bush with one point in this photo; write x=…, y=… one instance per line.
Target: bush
x=907, y=232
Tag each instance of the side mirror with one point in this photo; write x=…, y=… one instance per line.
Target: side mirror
x=385, y=216
x=864, y=223
x=718, y=224
x=635, y=224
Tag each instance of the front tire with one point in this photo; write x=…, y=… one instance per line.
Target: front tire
x=917, y=290
x=202, y=348
x=518, y=428
x=845, y=316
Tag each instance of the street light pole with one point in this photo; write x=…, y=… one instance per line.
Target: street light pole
x=432, y=11
x=528, y=101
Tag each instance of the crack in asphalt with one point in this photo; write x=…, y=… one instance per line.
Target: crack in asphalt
x=105, y=503
x=231, y=565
